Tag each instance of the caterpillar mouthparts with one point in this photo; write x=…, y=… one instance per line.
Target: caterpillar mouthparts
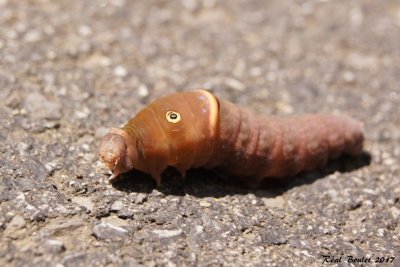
x=113, y=153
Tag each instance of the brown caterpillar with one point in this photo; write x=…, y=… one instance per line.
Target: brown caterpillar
x=195, y=129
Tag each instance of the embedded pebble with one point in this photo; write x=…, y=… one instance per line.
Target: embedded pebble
x=395, y=212
x=117, y=205
x=85, y=202
x=115, y=221
x=54, y=246
x=234, y=84
x=40, y=107
x=143, y=91
x=109, y=231
x=276, y=202
x=85, y=30
x=33, y=36
x=205, y=204
x=120, y=71
x=17, y=222
x=167, y=233
x=140, y=198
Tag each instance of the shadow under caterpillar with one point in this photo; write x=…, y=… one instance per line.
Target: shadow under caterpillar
x=195, y=129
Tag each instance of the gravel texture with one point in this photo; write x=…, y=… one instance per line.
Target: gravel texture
x=70, y=70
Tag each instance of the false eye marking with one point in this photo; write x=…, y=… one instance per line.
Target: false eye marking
x=173, y=116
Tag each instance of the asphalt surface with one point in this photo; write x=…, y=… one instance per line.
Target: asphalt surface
x=70, y=70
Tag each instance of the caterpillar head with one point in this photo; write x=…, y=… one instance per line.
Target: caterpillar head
x=114, y=153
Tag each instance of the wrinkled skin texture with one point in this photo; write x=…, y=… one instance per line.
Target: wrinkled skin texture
x=195, y=129
x=114, y=152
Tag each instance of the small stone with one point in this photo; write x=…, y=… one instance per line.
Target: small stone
x=199, y=229
x=395, y=212
x=23, y=148
x=17, y=222
x=109, y=231
x=113, y=220
x=118, y=3
x=381, y=232
x=84, y=202
x=275, y=237
x=75, y=259
x=356, y=17
x=61, y=209
x=370, y=191
x=97, y=60
x=170, y=264
x=140, y=198
x=255, y=72
x=349, y=77
x=85, y=30
x=117, y=205
x=205, y=204
x=284, y=107
x=389, y=161
x=15, y=227
x=234, y=84
x=329, y=230
x=332, y=193
x=54, y=246
x=120, y=71
x=33, y=36
x=88, y=157
x=40, y=107
x=51, y=166
x=14, y=100
x=60, y=227
x=101, y=131
x=362, y=61
x=272, y=76
x=276, y=202
x=38, y=169
x=51, y=124
x=190, y=5
x=82, y=114
x=209, y=3
x=167, y=233
x=143, y=91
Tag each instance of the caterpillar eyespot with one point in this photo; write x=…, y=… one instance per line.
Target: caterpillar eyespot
x=216, y=134
x=173, y=116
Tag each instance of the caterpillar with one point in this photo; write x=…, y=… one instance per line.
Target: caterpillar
x=196, y=129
